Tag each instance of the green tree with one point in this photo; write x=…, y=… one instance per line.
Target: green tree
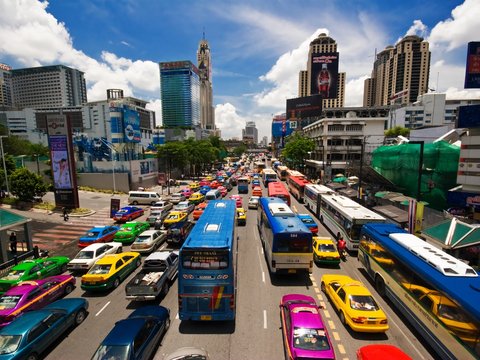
x=174, y=155
x=239, y=150
x=25, y=185
x=296, y=150
x=10, y=166
x=396, y=131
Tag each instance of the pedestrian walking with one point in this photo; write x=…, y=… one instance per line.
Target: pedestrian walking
x=13, y=242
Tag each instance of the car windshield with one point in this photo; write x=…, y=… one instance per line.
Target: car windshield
x=308, y=221
x=122, y=212
x=85, y=255
x=100, y=269
x=327, y=248
x=92, y=234
x=9, y=301
x=172, y=217
x=9, y=343
x=14, y=275
x=310, y=339
x=105, y=352
x=142, y=239
x=127, y=228
x=363, y=302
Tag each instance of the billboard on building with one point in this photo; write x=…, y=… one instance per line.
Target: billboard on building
x=304, y=107
x=131, y=125
x=324, y=75
x=468, y=116
x=472, y=71
x=280, y=128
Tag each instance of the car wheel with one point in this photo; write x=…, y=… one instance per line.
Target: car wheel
x=342, y=318
x=119, y=250
x=80, y=316
x=138, y=263
x=380, y=286
x=116, y=282
x=165, y=289
x=322, y=286
x=63, y=268
x=68, y=289
x=135, y=203
x=152, y=203
x=32, y=356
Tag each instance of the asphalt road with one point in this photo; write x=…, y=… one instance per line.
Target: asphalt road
x=256, y=332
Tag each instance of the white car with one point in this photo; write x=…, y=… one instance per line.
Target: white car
x=85, y=259
x=177, y=197
x=184, y=206
x=253, y=202
x=149, y=241
x=161, y=206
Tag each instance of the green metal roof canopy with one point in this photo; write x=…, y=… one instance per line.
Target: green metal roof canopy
x=461, y=234
x=9, y=219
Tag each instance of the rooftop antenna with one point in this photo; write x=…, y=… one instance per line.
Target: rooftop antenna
x=204, y=33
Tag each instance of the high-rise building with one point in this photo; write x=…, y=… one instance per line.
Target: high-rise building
x=180, y=94
x=250, y=133
x=5, y=86
x=400, y=73
x=48, y=87
x=322, y=76
x=204, y=63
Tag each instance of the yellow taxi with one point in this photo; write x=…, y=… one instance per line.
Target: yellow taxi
x=194, y=186
x=377, y=252
x=356, y=307
x=174, y=217
x=209, y=178
x=324, y=251
x=196, y=198
x=241, y=216
x=110, y=270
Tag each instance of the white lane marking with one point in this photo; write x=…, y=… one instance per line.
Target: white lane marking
x=177, y=317
x=264, y=319
x=263, y=276
x=103, y=308
x=408, y=339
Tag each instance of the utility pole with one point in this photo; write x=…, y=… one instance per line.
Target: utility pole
x=4, y=165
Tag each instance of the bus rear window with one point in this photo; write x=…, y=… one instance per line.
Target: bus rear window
x=296, y=245
x=209, y=260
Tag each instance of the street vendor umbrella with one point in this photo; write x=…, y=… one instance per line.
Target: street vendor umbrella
x=340, y=179
x=339, y=175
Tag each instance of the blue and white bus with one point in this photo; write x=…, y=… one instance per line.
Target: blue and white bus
x=437, y=293
x=242, y=185
x=268, y=176
x=207, y=268
x=286, y=240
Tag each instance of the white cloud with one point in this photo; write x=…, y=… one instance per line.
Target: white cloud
x=418, y=28
x=354, y=91
x=229, y=121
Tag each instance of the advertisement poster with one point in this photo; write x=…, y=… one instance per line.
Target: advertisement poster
x=304, y=107
x=472, y=73
x=60, y=163
x=144, y=167
x=131, y=125
x=324, y=75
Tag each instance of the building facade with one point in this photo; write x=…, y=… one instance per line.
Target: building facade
x=47, y=87
x=323, y=50
x=180, y=94
x=400, y=73
x=204, y=63
x=6, y=101
x=250, y=133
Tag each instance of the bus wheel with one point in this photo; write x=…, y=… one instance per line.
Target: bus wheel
x=380, y=286
x=321, y=219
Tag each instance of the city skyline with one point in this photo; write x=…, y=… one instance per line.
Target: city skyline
x=258, y=48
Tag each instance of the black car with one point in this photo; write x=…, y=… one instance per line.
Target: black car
x=228, y=185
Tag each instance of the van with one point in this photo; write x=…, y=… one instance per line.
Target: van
x=143, y=197
x=213, y=195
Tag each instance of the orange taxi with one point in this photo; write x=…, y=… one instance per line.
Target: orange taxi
x=198, y=211
x=257, y=191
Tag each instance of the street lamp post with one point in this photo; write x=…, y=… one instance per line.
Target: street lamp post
x=4, y=165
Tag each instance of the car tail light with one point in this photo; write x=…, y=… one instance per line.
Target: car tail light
x=384, y=321
x=359, y=320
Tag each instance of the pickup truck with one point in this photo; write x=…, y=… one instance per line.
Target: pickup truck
x=158, y=271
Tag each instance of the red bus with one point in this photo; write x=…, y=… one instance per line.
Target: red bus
x=296, y=186
x=277, y=189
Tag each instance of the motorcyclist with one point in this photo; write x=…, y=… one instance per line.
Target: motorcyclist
x=341, y=245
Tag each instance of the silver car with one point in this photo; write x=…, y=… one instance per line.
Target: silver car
x=161, y=205
x=253, y=202
x=148, y=241
x=177, y=197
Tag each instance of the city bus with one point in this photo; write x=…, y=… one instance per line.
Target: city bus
x=277, y=189
x=295, y=173
x=207, y=266
x=242, y=185
x=437, y=293
x=259, y=166
x=341, y=215
x=296, y=186
x=282, y=172
x=268, y=175
x=286, y=240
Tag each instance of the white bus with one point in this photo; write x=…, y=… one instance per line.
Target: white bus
x=282, y=172
x=268, y=175
x=343, y=216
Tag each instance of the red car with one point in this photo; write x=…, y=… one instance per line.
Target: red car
x=204, y=182
x=223, y=190
x=186, y=192
x=214, y=184
x=128, y=213
x=238, y=200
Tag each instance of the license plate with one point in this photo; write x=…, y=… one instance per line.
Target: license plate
x=371, y=322
x=205, y=317
x=292, y=271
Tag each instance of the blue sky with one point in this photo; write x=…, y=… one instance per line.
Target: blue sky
x=258, y=47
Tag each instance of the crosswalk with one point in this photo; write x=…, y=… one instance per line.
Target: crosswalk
x=56, y=235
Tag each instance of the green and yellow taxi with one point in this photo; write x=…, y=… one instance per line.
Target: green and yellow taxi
x=109, y=271
x=174, y=217
x=325, y=252
x=196, y=198
x=130, y=230
x=241, y=216
x=194, y=186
